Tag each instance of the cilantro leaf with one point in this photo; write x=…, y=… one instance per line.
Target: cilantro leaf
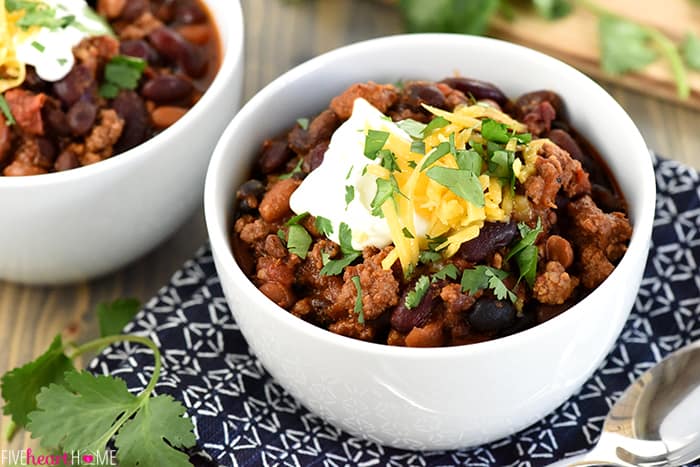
x=385, y=191
x=295, y=170
x=691, y=51
x=528, y=237
x=345, y=236
x=414, y=128
x=438, y=153
x=298, y=241
x=494, y=131
x=450, y=271
x=435, y=124
x=427, y=257
x=122, y=72
x=297, y=219
x=89, y=405
x=418, y=147
x=358, y=300
x=349, y=194
x=527, y=264
x=407, y=233
x=142, y=440
x=389, y=161
x=374, y=142
x=485, y=277
x=470, y=161
x=114, y=316
x=414, y=297
x=21, y=385
x=495, y=278
x=336, y=266
x=625, y=46
x=323, y=226
x=303, y=123
x=461, y=182
x=552, y=9
x=466, y=17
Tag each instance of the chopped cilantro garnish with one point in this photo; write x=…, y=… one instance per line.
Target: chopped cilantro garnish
x=62, y=61
x=282, y=236
x=415, y=296
x=352, y=167
x=414, y=128
x=470, y=161
x=295, y=170
x=374, y=142
x=385, y=191
x=524, y=138
x=528, y=237
x=345, y=236
x=438, y=153
x=495, y=131
x=453, y=147
x=389, y=161
x=485, y=277
x=478, y=147
x=407, y=233
x=38, y=46
x=358, y=300
x=450, y=271
x=5, y=108
x=501, y=164
x=303, y=123
x=463, y=183
x=349, y=195
x=418, y=147
x=122, y=72
x=298, y=218
x=298, y=240
x=435, y=124
x=412, y=164
x=323, y=226
x=334, y=267
x=427, y=257
x=525, y=252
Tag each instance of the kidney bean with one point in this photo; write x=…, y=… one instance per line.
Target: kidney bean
x=606, y=199
x=194, y=61
x=490, y=315
x=166, y=88
x=78, y=83
x=530, y=101
x=403, y=319
x=33, y=82
x=67, y=160
x=419, y=93
x=5, y=141
x=274, y=155
x=165, y=116
x=478, y=89
x=140, y=49
x=493, y=235
x=47, y=153
x=55, y=119
x=564, y=140
x=133, y=9
x=131, y=108
x=190, y=13
x=275, y=204
x=559, y=249
x=196, y=33
x=173, y=46
x=81, y=117
x=315, y=157
x=166, y=11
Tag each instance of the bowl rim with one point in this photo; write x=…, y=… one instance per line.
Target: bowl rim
x=218, y=228
x=232, y=22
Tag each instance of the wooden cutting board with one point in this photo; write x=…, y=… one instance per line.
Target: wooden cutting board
x=574, y=39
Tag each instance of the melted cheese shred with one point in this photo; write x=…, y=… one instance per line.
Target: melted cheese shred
x=12, y=71
x=448, y=216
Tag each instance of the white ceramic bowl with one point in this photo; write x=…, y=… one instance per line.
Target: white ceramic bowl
x=434, y=398
x=74, y=225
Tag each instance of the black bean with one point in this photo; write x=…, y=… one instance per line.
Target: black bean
x=78, y=83
x=33, y=82
x=81, y=117
x=403, y=319
x=166, y=88
x=493, y=235
x=140, y=49
x=477, y=89
x=419, y=93
x=275, y=154
x=521, y=323
x=489, y=315
x=190, y=13
x=249, y=195
x=131, y=108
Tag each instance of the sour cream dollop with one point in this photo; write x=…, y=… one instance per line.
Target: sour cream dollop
x=50, y=50
x=323, y=191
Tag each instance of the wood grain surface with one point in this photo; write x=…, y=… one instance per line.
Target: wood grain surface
x=279, y=35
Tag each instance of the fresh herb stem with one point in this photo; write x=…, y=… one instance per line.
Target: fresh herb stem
x=11, y=430
x=665, y=45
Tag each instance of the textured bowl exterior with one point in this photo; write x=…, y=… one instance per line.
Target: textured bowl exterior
x=83, y=223
x=447, y=397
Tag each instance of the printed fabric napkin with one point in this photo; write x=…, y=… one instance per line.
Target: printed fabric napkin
x=242, y=417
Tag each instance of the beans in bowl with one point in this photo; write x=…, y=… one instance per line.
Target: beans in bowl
x=428, y=214
x=83, y=81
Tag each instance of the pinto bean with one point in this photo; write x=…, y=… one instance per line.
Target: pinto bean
x=81, y=117
x=281, y=295
x=166, y=88
x=430, y=335
x=198, y=34
x=110, y=8
x=493, y=235
x=559, y=249
x=275, y=154
x=478, y=89
x=275, y=204
x=166, y=116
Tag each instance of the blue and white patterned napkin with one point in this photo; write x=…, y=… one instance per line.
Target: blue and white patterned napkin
x=242, y=417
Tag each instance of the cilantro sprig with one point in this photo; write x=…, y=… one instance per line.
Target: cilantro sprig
x=73, y=410
x=525, y=251
x=333, y=267
x=486, y=277
x=122, y=72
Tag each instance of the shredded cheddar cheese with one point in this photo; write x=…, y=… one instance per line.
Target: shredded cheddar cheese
x=12, y=71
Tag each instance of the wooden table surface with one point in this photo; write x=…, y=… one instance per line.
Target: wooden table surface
x=279, y=35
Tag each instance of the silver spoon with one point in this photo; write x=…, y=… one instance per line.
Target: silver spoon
x=656, y=421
